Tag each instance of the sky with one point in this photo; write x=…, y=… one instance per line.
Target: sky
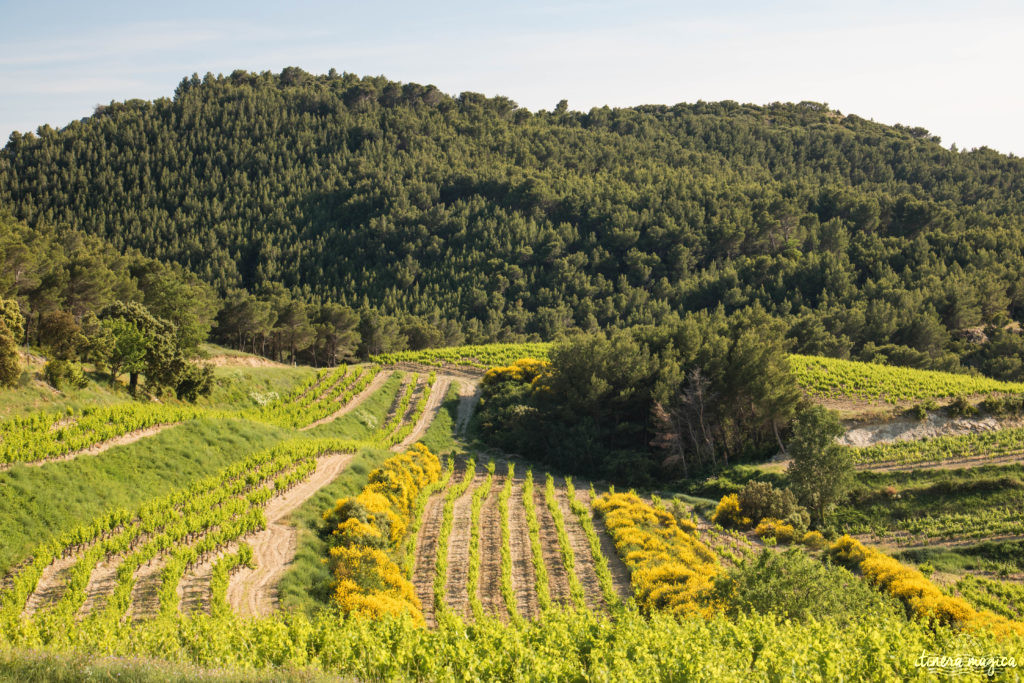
x=951, y=67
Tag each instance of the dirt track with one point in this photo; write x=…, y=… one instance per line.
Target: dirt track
x=489, y=589
x=524, y=581
x=255, y=591
x=434, y=404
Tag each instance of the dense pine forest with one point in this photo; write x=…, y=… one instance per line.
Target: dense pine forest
x=447, y=219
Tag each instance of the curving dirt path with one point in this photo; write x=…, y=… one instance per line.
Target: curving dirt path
x=50, y=586
x=254, y=591
x=456, y=588
x=123, y=440
x=583, y=561
x=489, y=588
x=524, y=581
x=434, y=402
x=375, y=384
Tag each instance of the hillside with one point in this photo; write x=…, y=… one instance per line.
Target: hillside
x=495, y=223
x=226, y=545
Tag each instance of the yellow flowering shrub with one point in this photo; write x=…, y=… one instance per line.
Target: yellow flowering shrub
x=363, y=528
x=814, y=540
x=923, y=598
x=670, y=568
x=523, y=371
x=368, y=582
x=775, y=528
x=728, y=513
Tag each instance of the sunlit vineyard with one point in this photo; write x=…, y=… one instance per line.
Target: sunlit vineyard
x=995, y=444
x=479, y=356
x=833, y=378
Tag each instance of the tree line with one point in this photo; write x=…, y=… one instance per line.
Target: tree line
x=467, y=217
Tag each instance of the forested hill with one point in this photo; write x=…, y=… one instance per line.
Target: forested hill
x=867, y=240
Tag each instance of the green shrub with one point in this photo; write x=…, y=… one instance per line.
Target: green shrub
x=796, y=586
x=759, y=499
x=64, y=373
x=961, y=407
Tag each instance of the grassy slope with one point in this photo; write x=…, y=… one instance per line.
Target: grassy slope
x=36, y=502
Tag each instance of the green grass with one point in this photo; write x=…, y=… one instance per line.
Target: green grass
x=306, y=586
x=932, y=502
x=987, y=556
x=361, y=422
x=33, y=394
x=37, y=502
x=240, y=386
x=440, y=435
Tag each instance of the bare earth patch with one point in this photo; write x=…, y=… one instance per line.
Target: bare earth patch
x=456, y=593
x=524, y=581
x=254, y=591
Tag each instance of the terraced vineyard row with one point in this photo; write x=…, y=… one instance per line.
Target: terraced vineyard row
x=493, y=542
x=42, y=437
x=481, y=356
x=982, y=446
x=219, y=542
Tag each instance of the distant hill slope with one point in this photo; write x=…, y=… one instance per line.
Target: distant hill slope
x=867, y=239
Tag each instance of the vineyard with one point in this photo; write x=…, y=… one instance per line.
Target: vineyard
x=1003, y=444
x=832, y=378
x=464, y=565
x=482, y=356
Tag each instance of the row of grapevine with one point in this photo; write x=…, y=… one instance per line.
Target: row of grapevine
x=447, y=517
x=561, y=646
x=481, y=356
x=564, y=548
x=540, y=570
x=404, y=420
x=160, y=525
x=337, y=389
x=604, y=575
x=477, y=506
x=46, y=436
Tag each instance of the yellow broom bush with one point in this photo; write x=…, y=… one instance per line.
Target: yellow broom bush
x=923, y=598
x=729, y=514
x=671, y=569
x=362, y=529
x=775, y=528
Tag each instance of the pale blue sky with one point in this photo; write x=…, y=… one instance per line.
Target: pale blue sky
x=952, y=67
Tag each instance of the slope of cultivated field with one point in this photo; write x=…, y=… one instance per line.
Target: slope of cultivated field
x=559, y=560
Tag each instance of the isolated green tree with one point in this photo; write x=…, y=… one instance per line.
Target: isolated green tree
x=821, y=472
